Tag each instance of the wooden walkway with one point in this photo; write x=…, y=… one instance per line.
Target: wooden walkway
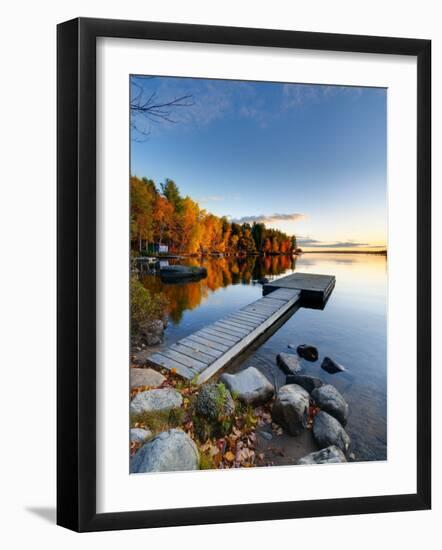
x=203, y=353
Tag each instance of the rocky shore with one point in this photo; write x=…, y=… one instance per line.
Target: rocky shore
x=237, y=420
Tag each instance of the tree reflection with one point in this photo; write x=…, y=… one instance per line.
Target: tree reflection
x=221, y=272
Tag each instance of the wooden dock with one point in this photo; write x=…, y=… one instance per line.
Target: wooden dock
x=315, y=289
x=202, y=354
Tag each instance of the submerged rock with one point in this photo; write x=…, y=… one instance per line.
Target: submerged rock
x=328, y=398
x=288, y=363
x=309, y=383
x=145, y=377
x=156, y=400
x=328, y=431
x=250, y=386
x=171, y=451
x=139, y=435
x=329, y=455
x=290, y=409
x=310, y=353
x=215, y=401
x=331, y=366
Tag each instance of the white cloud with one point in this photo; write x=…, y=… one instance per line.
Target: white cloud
x=314, y=243
x=270, y=218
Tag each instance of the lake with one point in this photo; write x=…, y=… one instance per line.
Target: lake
x=352, y=329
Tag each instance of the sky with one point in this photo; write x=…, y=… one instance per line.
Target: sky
x=307, y=159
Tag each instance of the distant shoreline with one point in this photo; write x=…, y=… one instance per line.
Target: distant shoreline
x=379, y=252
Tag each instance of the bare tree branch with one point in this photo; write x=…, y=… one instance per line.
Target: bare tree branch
x=146, y=108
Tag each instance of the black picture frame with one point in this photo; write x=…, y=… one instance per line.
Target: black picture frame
x=76, y=274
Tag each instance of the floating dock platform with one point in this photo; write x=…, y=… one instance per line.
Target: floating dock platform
x=202, y=354
x=315, y=289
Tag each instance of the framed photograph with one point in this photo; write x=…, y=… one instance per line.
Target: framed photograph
x=243, y=274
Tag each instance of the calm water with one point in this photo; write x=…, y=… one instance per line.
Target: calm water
x=351, y=329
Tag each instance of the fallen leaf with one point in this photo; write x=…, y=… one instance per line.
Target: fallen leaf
x=229, y=456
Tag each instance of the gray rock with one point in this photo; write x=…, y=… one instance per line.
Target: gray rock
x=156, y=400
x=309, y=383
x=288, y=363
x=140, y=357
x=263, y=281
x=329, y=455
x=310, y=353
x=266, y=435
x=330, y=400
x=250, y=386
x=139, y=435
x=215, y=401
x=151, y=333
x=328, y=431
x=290, y=409
x=171, y=451
x=331, y=366
x=145, y=377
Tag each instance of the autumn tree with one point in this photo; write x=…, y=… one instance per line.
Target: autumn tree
x=141, y=200
x=165, y=216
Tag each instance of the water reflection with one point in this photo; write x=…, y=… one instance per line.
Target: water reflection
x=221, y=273
x=351, y=329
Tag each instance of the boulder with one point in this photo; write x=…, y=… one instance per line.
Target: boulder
x=151, y=332
x=290, y=409
x=139, y=435
x=330, y=400
x=288, y=363
x=310, y=353
x=156, y=400
x=328, y=431
x=140, y=357
x=145, y=377
x=214, y=401
x=171, y=451
x=329, y=455
x=263, y=281
x=250, y=386
x=331, y=366
x=309, y=383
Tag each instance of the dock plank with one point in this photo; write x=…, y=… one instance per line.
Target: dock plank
x=252, y=316
x=213, y=345
x=185, y=350
x=160, y=360
x=236, y=323
x=216, y=338
x=197, y=346
x=225, y=330
x=237, y=317
x=185, y=360
x=216, y=332
x=234, y=328
x=260, y=316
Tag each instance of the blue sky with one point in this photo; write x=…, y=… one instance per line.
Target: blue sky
x=307, y=159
